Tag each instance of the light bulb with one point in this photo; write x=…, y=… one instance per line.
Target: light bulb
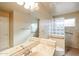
x=26, y=6
x=20, y=3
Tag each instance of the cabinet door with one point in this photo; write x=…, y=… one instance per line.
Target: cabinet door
x=4, y=33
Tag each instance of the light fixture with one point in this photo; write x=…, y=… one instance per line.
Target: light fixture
x=20, y=3
x=31, y=5
x=28, y=5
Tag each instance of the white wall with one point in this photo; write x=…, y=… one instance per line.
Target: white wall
x=43, y=28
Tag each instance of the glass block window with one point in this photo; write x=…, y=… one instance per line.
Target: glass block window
x=57, y=26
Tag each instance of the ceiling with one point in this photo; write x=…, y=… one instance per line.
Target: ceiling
x=45, y=8
x=66, y=7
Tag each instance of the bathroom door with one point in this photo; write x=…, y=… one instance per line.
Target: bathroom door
x=4, y=33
